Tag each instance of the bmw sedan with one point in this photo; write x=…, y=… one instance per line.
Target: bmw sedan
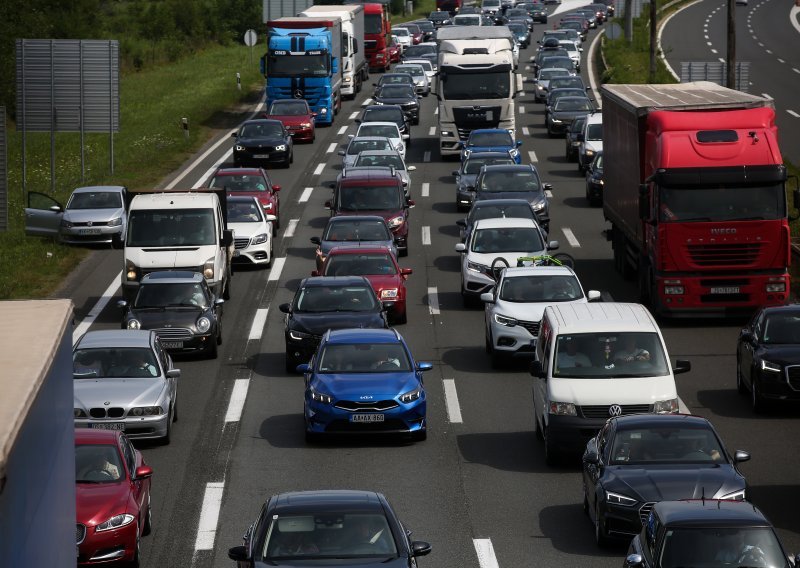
x=262, y=141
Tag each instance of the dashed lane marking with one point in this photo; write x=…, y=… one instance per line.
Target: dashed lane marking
x=521, y=109
x=238, y=398
x=433, y=300
x=259, y=320
x=290, y=228
x=342, y=130
x=209, y=515
x=794, y=114
x=570, y=236
x=532, y=156
x=526, y=131
x=432, y=131
x=331, y=148
x=277, y=268
x=426, y=235
x=485, y=552
x=306, y=195
x=426, y=189
x=427, y=156
x=353, y=115
x=451, y=402
x=318, y=169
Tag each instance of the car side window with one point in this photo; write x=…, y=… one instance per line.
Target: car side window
x=602, y=441
x=162, y=356
x=129, y=454
x=758, y=325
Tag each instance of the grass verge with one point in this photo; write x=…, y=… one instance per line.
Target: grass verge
x=421, y=11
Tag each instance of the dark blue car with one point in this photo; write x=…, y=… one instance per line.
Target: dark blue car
x=491, y=140
x=364, y=381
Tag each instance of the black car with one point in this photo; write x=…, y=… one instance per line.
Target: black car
x=572, y=142
x=594, y=180
x=706, y=532
x=179, y=306
x=466, y=174
x=521, y=33
x=536, y=11
x=327, y=302
x=768, y=355
x=518, y=181
x=401, y=95
x=640, y=459
x=427, y=28
x=439, y=19
x=328, y=528
x=422, y=51
x=520, y=14
x=555, y=93
x=394, y=79
x=495, y=209
x=387, y=113
x=262, y=141
x=564, y=111
x=546, y=52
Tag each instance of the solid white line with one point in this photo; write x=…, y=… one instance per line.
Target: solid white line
x=426, y=235
x=290, y=228
x=485, y=552
x=83, y=327
x=573, y=242
x=433, y=300
x=427, y=156
x=451, y=402
x=432, y=131
x=526, y=131
x=532, y=156
x=238, y=398
x=426, y=189
x=367, y=102
x=209, y=515
x=277, y=267
x=521, y=109
x=318, y=169
x=331, y=148
x=794, y=114
x=306, y=195
x=259, y=321
x=353, y=115
x=342, y=130
x=210, y=171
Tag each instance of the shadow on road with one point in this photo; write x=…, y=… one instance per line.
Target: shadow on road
x=570, y=531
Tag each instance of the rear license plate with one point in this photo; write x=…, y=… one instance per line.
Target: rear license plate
x=88, y=231
x=261, y=156
x=172, y=344
x=725, y=290
x=366, y=418
x=108, y=426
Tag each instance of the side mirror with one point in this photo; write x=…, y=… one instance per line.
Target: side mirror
x=590, y=455
x=406, y=271
x=55, y=208
x=411, y=203
x=519, y=143
x=341, y=152
x=276, y=187
x=487, y=297
x=455, y=173
x=303, y=368
x=406, y=137
x=227, y=238
x=593, y=295
x=461, y=247
x=219, y=302
x=745, y=334
x=315, y=241
x=419, y=548
x=122, y=304
x=285, y=308
x=328, y=204
x=173, y=373
x=143, y=472
x=270, y=218
x=351, y=136
x=329, y=185
x=536, y=369
x=238, y=553
x=681, y=366
x=552, y=245
x=411, y=168
x=548, y=186
x=313, y=114
x=233, y=134
x=740, y=456
x=634, y=561
x=423, y=366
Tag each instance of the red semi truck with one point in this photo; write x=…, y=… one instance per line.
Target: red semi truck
x=695, y=191
x=377, y=30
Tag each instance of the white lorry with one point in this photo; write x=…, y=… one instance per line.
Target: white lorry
x=476, y=85
x=177, y=230
x=355, y=67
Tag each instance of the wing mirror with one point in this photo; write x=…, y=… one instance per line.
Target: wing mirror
x=315, y=241
x=276, y=187
x=681, y=366
x=593, y=295
x=536, y=369
x=238, y=553
x=411, y=168
x=487, y=297
x=173, y=373
x=341, y=152
x=270, y=218
x=285, y=308
x=552, y=245
x=233, y=134
x=461, y=247
x=740, y=456
x=303, y=368
x=143, y=472
x=548, y=187
x=122, y=304
x=406, y=271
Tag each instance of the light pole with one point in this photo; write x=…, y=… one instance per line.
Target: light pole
x=731, y=60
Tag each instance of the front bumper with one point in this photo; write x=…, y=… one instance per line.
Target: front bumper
x=139, y=427
x=515, y=341
x=255, y=157
x=570, y=433
x=112, y=546
x=624, y=522
x=402, y=419
x=253, y=254
x=464, y=198
x=88, y=235
x=594, y=190
x=779, y=386
x=302, y=134
x=475, y=283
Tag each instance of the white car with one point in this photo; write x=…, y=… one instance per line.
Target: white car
x=515, y=306
x=362, y=144
x=386, y=130
x=574, y=52
x=404, y=39
x=421, y=84
x=426, y=65
x=591, y=140
x=542, y=81
x=387, y=159
x=252, y=230
x=491, y=239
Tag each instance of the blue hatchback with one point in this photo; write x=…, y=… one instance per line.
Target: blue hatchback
x=364, y=381
x=491, y=140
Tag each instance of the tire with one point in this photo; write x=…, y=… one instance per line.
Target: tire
x=291, y=364
x=740, y=388
x=600, y=537
x=136, y=562
x=401, y=320
x=565, y=259
x=168, y=436
x=488, y=343
x=148, y=520
x=312, y=437
x=756, y=401
x=175, y=410
x=498, y=359
x=585, y=502
x=403, y=252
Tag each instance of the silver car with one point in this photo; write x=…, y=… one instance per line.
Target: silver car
x=356, y=145
x=93, y=215
x=417, y=72
x=388, y=159
x=124, y=380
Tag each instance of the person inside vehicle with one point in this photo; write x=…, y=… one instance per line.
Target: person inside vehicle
x=135, y=363
x=97, y=467
x=561, y=289
x=296, y=544
x=88, y=364
x=629, y=352
x=735, y=549
x=385, y=361
x=571, y=357
x=367, y=534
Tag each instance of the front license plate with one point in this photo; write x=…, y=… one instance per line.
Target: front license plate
x=172, y=344
x=261, y=156
x=108, y=426
x=88, y=231
x=725, y=290
x=366, y=418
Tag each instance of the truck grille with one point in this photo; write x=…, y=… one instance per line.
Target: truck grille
x=311, y=94
x=793, y=376
x=80, y=533
x=241, y=243
x=354, y=406
x=174, y=333
x=470, y=118
x=531, y=326
x=724, y=254
x=644, y=512
x=602, y=410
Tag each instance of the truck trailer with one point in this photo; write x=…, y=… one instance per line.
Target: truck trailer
x=304, y=61
x=695, y=191
x=355, y=70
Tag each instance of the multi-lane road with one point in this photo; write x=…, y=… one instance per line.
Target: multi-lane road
x=478, y=489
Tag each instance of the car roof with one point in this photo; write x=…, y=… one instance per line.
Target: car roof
x=659, y=420
x=787, y=309
x=510, y=168
x=363, y=335
x=333, y=281
x=238, y=171
x=324, y=499
x=115, y=338
x=538, y=271
x=709, y=513
x=96, y=436
x=95, y=188
x=171, y=277
x=602, y=317
x=506, y=222
x=379, y=123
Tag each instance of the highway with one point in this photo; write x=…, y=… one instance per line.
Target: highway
x=478, y=489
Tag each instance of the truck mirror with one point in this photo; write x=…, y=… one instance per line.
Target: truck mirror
x=262, y=65
x=355, y=45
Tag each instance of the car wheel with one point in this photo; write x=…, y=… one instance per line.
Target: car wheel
x=488, y=343
x=148, y=520
x=175, y=410
x=740, y=388
x=403, y=252
x=312, y=437
x=402, y=319
x=757, y=400
x=600, y=536
x=291, y=363
x=585, y=501
x=168, y=436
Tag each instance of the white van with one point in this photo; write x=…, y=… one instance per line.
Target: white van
x=590, y=140
x=594, y=361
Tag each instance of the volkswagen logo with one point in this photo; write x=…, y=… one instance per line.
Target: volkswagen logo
x=366, y=397
x=89, y=224
x=298, y=94
x=615, y=410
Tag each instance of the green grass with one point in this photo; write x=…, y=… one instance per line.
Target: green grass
x=150, y=145
x=421, y=11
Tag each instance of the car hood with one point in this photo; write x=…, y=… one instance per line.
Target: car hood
x=395, y=100
x=98, y=502
x=126, y=393
x=93, y=215
x=271, y=141
x=528, y=311
x=353, y=386
x=783, y=354
x=247, y=230
x=466, y=180
x=381, y=282
x=599, y=391
x=327, y=246
x=673, y=482
x=317, y=324
x=170, y=317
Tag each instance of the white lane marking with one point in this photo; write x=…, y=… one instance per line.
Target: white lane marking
x=367, y=102
x=318, y=169
x=709, y=43
x=548, y=193
x=795, y=69
x=433, y=300
x=426, y=235
x=451, y=402
x=290, y=228
x=706, y=36
x=209, y=515
x=427, y=156
x=760, y=44
x=722, y=60
x=83, y=327
x=353, y=115
x=526, y=131
x=432, y=131
x=485, y=552
x=573, y=242
x=238, y=398
x=331, y=148
x=426, y=189
x=714, y=51
x=210, y=171
x=521, y=109
x=532, y=156
x=781, y=60
x=436, y=110
x=277, y=268
x=306, y=195
x=769, y=51
x=342, y=130
x=259, y=321
x=794, y=114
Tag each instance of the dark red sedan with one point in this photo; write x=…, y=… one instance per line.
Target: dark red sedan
x=380, y=267
x=112, y=498
x=253, y=182
x=296, y=116
x=395, y=51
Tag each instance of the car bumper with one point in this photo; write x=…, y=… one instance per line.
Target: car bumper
x=622, y=522
x=107, y=547
x=475, y=283
x=191, y=344
x=775, y=386
x=595, y=190
x=403, y=419
x=141, y=427
x=302, y=134
x=253, y=254
x=515, y=341
x=273, y=157
x=87, y=236
x=557, y=127
x=570, y=433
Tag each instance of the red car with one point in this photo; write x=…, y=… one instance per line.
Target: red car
x=380, y=267
x=395, y=51
x=416, y=33
x=296, y=116
x=112, y=498
x=253, y=182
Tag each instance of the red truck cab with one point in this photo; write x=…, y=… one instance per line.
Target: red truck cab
x=377, y=30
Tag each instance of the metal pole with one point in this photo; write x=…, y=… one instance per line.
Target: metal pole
x=653, y=39
x=731, y=62
x=52, y=123
x=111, y=105
x=80, y=115
x=629, y=20
x=24, y=126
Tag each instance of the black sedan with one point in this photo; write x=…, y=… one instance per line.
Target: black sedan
x=387, y=113
x=328, y=528
x=517, y=181
x=571, y=138
x=636, y=461
x=262, y=141
x=466, y=174
x=327, y=302
x=554, y=94
x=594, y=180
x=768, y=356
x=564, y=111
x=180, y=308
x=403, y=96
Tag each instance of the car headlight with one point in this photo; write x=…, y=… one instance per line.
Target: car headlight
x=321, y=398
x=134, y=324
x=208, y=268
x=563, y=408
x=475, y=267
x=555, y=120
x=389, y=293
x=347, y=79
x=115, y=222
x=258, y=239
x=79, y=413
x=735, y=496
x=239, y=148
x=538, y=206
x=617, y=499
x=769, y=366
x=395, y=222
x=115, y=522
x=446, y=133
x=299, y=335
x=65, y=224
x=503, y=320
x=666, y=406
x=280, y=147
x=203, y=324
x=305, y=125
x=589, y=152
x=467, y=152
x=323, y=110
x=146, y=411
x=411, y=396
x=130, y=270
x=377, y=102
x=514, y=152
x=401, y=148
x=540, y=87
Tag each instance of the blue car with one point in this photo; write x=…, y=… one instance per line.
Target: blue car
x=364, y=381
x=491, y=140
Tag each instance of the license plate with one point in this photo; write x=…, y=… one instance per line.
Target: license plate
x=108, y=426
x=88, y=231
x=261, y=156
x=366, y=418
x=172, y=344
x=725, y=290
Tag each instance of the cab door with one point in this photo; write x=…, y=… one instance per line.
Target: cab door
x=42, y=215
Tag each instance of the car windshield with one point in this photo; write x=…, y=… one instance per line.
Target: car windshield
x=594, y=132
x=566, y=81
x=473, y=165
x=345, y=230
x=610, y=355
x=262, y=130
x=330, y=535
x=386, y=131
x=114, y=363
x=413, y=70
x=171, y=227
x=419, y=51
x=722, y=548
x=159, y=295
x=364, y=358
x=382, y=114
x=501, y=138
x=374, y=198
x=666, y=444
x=401, y=32
x=507, y=239
x=533, y=288
x=98, y=463
x=729, y=202
x=467, y=20
x=781, y=329
x=523, y=211
x=518, y=28
x=547, y=74
x=397, y=79
x=235, y=183
x=597, y=164
x=500, y=181
x=95, y=200
x=572, y=104
x=373, y=24
x=385, y=160
x=244, y=212
x=404, y=91
x=357, y=146
x=378, y=264
x=569, y=46
x=323, y=299
x=289, y=108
